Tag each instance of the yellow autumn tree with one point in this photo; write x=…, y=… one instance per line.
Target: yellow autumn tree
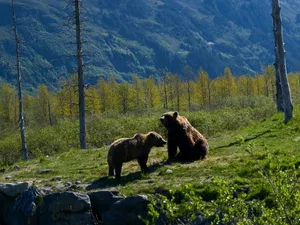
x=246, y=85
x=204, y=88
x=123, y=97
x=112, y=97
x=259, y=84
x=67, y=99
x=43, y=106
x=92, y=101
x=138, y=94
x=151, y=94
x=269, y=77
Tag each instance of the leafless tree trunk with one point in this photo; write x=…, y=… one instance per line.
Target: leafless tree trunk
x=209, y=91
x=24, y=150
x=82, y=134
x=177, y=91
x=280, y=63
x=50, y=113
x=165, y=91
x=279, y=100
x=188, y=74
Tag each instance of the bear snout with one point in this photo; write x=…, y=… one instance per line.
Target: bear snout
x=162, y=143
x=163, y=121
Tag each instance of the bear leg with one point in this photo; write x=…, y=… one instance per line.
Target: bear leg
x=200, y=150
x=118, y=169
x=172, y=149
x=142, y=160
x=110, y=171
x=110, y=168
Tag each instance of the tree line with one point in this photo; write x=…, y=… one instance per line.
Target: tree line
x=111, y=99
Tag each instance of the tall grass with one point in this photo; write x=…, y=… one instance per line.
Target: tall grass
x=102, y=130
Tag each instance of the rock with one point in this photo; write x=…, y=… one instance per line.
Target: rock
x=43, y=171
x=127, y=211
x=66, y=208
x=169, y=171
x=163, y=192
x=22, y=208
x=45, y=190
x=2, y=207
x=78, y=182
x=199, y=221
x=14, y=189
x=102, y=200
x=17, y=167
x=67, y=202
x=57, y=178
x=7, y=177
x=68, y=184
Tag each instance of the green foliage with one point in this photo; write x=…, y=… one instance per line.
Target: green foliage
x=10, y=149
x=251, y=175
x=183, y=207
x=102, y=131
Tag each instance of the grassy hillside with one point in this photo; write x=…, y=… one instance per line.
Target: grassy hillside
x=228, y=159
x=144, y=36
x=254, y=167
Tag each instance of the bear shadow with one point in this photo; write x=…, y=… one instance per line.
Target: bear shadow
x=108, y=182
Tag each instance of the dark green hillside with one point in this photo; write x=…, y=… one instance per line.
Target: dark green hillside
x=144, y=36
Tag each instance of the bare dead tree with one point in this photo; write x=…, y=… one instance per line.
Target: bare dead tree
x=82, y=131
x=280, y=63
x=50, y=113
x=188, y=75
x=165, y=90
x=24, y=150
x=279, y=100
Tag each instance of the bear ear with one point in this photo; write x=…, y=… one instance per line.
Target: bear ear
x=175, y=114
x=151, y=134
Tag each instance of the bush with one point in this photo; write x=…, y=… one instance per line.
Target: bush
x=101, y=131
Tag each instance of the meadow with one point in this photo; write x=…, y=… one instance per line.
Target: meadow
x=250, y=175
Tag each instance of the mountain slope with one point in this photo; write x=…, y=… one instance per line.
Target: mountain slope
x=144, y=36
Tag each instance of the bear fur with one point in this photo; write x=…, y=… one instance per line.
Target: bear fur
x=192, y=144
x=128, y=149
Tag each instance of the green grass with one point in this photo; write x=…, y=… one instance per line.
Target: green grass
x=229, y=159
x=251, y=167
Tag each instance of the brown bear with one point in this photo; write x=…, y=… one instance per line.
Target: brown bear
x=192, y=144
x=128, y=149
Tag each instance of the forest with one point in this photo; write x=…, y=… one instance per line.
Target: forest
x=110, y=99
x=110, y=102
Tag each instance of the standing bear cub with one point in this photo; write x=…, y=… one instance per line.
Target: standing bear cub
x=128, y=149
x=192, y=144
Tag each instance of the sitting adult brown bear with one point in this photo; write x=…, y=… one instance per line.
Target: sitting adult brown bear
x=192, y=144
x=128, y=149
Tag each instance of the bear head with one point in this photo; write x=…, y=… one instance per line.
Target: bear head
x=153, y=139
x=169, y=119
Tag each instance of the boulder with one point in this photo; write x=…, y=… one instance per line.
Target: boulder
x=127, y=211
x=21, y=210
x=14, y=189
x=2, y=207
x=66, y=208
x=102, y=200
